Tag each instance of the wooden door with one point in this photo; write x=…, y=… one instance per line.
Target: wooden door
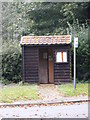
x=50, y=66
x=43, y=66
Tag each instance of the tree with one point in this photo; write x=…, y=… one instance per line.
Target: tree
x=42, y=18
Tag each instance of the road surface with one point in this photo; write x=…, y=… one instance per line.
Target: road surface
x=79, y=110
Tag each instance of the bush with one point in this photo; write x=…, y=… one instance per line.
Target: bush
x=11, y=62
x=82, y=52
x=4, y=81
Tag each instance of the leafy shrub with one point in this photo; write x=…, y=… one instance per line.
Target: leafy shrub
x=82, y=52
x=4, y=81
x=11, y=62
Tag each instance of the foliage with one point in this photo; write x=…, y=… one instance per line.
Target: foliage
x=51, y=18
x=4, y=81
x=15, y=93
x=82, y=52
x=68, y=89
x=42, y=18
x=11, y=62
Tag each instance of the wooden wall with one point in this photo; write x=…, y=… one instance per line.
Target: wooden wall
x=31, y=58
x=62, y=70
x=31, y=64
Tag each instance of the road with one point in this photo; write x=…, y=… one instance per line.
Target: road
x=79, y=110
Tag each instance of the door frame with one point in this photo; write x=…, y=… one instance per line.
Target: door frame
x=43, y=65
x=47, y=60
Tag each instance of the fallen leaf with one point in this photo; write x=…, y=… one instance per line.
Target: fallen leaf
x=60, y=114
x=35, y=114
x=18, y=97
x=71, y=103
x=44, y=116
x=38, y=94
x=83, y=114
x=21, y=105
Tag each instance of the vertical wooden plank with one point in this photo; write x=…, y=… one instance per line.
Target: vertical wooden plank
x=23, y=70
x=43, y=72
x=50, y=66
x=62, y=56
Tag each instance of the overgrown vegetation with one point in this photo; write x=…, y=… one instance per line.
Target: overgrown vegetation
x=18, y=92
x=68, y=89
x=19, y=19
x=11, y=62
x=82, y=52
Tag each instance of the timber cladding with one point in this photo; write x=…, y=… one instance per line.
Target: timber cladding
x=62, y=70
x=32, y=61
x=31, y=64
x=46, y=59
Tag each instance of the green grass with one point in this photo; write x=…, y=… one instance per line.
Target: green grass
x=20, y=92
x=30, y=92
x=68, y=89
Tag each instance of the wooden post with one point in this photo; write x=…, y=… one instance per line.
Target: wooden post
x=23, y=70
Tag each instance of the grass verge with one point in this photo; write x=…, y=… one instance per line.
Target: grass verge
x=19, y=92
x=68, y=89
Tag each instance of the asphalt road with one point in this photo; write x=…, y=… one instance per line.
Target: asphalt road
x=79, y=110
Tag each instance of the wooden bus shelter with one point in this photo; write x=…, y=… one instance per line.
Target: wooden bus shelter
x=46, y=59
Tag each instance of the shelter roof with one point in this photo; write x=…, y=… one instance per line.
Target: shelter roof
x=42, y=40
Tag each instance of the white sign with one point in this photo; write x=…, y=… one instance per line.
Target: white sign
x=58, y=57
x=76, y=42
x=61, y=57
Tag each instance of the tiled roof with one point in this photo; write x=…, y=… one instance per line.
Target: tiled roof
x=38, y=40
